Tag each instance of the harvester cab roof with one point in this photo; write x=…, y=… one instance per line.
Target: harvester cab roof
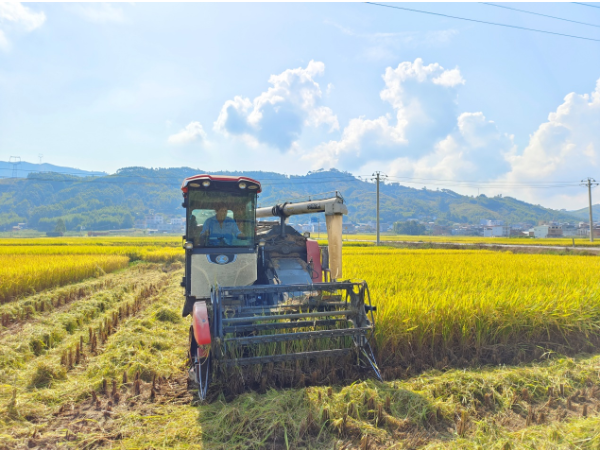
x=262, y=293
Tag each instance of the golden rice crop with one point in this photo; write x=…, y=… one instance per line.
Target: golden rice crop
x=26, y=274
x=134, y=253
x=161, y=241
x=435, y=304
x=561, y=242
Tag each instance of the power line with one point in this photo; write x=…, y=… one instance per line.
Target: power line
x=539, y=14
x=548, y=184
x=585, y=4
x=484, y=182
x=482, y=21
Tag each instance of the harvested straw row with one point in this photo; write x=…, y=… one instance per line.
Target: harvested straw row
x=109, y=325
x=46, y=304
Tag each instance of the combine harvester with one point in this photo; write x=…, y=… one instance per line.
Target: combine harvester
x=261, y=294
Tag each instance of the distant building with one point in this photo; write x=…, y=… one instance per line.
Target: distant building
x=465, y=230
x=495, y=231
x=547, y=231
x=365, y=228
x=584, y=231
x=570, y=230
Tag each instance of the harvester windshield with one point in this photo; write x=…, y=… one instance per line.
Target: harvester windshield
x=221, y=219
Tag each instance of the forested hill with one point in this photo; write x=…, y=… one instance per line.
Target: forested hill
x=583, y=214
x=114, y=201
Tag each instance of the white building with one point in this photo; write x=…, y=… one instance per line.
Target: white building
x=496, y=231
x=545, y=231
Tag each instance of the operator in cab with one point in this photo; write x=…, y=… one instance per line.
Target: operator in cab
x=220, y=229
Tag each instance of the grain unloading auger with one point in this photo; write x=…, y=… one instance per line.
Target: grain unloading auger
x=260, y=293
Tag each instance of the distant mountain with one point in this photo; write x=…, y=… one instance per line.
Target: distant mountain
x=24, y=168
x=583, y=213
x=115, y=201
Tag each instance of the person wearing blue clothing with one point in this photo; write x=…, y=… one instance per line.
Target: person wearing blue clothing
x=220, y=229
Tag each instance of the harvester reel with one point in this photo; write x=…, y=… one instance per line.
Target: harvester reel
x=334, y=313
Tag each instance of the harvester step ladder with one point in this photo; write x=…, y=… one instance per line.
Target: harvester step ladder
x=306, y=335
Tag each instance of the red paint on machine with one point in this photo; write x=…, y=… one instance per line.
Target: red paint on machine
x=313, y=254
x=200, y=324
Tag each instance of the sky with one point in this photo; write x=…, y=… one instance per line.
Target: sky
x=294, y=87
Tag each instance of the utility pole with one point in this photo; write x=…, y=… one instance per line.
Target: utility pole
x=589, y=182
x=377, y=174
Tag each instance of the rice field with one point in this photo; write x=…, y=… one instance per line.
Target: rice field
x=556, y=242
x=146, y=241
x=479, y=349
x=26, y=274
x=441, y=305
x=30, y=265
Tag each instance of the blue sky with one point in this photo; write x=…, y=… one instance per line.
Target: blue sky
x=290, y=88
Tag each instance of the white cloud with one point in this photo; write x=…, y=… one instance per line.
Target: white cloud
x=428, y=139
x=565, y=148
x=15, y=17
x=322, y=115
x=98, y=12
x=276, y=117
x=192, y=132
x=474, y=149
x=449, y=78
x=424, y=136
x=423, y=98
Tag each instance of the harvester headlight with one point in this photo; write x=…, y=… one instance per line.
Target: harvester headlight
x=188, y=245
x=242, y=185
x=262, y=242
x=206, y=183
x=194, y=185
x=252, y=186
